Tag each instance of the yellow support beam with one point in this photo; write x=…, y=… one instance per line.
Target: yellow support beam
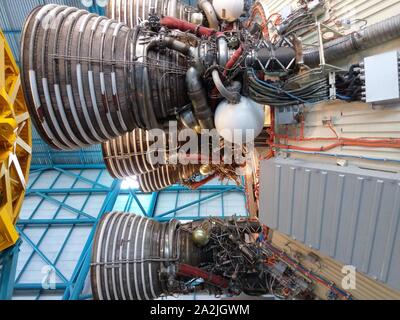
x=15, y=145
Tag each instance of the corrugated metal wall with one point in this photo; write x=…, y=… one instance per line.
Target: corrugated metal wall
x=347, y=213
x=358, y=227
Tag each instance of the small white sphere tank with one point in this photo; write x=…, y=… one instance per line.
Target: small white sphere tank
x=233, y=120
x=196, y=18
x=229, y=10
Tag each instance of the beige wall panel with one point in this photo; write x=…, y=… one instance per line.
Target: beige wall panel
x=366, y=288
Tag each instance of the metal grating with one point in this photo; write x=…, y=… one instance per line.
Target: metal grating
x=347, y=213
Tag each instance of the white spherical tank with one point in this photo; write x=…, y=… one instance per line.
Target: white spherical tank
x=197, y=18
x=229, y=10
x=241, y=122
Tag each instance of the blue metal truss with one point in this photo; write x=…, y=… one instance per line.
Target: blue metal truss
x=65, y=284
x=95, y=8
x=81, y=271
x=71, y=286
x=8, y=266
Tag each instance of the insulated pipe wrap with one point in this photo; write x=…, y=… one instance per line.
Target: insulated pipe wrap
x=130, y=251
x=198, y=96
x=231, y=96
x=371, y=36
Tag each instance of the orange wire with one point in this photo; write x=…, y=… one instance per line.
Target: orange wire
x=361, y=140
x=371, y=144
x=278, y=20
x=260, y=10
x=333, y=130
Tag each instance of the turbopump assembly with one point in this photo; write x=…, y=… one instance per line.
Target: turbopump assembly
x=91, y=79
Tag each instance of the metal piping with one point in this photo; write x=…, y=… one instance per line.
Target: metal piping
x=209, y=11
x=198, y=96
x=184, y=26
x=148, y=107
x=223, y=51
x=231, y=96
x=172, y=5
x=372, y=36
x=233, y=59
x=235, y=86
x=177, y=45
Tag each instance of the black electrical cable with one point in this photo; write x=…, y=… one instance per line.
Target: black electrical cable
x=275, y=94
